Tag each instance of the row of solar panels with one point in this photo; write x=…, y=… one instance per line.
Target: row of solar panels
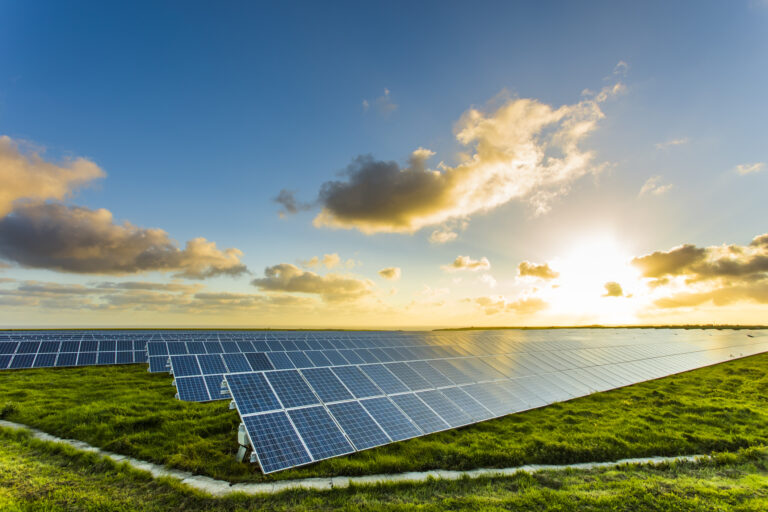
x=337, y=352
x=198, y=377
x=294, y=417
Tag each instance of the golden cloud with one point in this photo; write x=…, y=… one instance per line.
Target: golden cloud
x=391, y=273
x=721, y=274
x=613, y=289
x=537, y=270
x=28, y=176
x=467, y=263
x=525, y=149
x=521, y=306
x=285, y=277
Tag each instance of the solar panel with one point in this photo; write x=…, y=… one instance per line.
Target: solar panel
x=291, y=388
x=192, y=389
x=327, y=386
x=252, y=393
x=359, y=426
x=420, y=413
x=321, y=435
x=356, y=381
x=390, y=418
x=275, y=441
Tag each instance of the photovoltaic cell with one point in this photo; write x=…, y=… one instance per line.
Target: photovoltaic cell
x=358, y=424
x=236, y=363
x=184, y=366
x=319, y=432
x=211, y=364
x=384, y=379
x=466, y=403
x=275, y=442
x=327, y=386
x=252, y=393
x=192, y=389
x=444, y=408
x=291, y=388
x=424, y=417
x=259, y=361
x=280, y=360
x=390, y=418
x=408, y=377
x=356, y=381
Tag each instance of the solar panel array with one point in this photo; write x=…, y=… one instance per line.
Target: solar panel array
x=41, y=349
x=309, y=396
x=362, y=406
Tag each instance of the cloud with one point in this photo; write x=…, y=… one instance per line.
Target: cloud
x=143, y=285
x=719, y=274
x=754, y=167
x=228, y=301
x=621, y=68
x=287, y=199
x=285, y=277
x=613, y=289
x=540, y=271
x=672, y=142
x=328, y=260
x=25, y=175
x=489, y=280
x=467, y=263
x=439, y=236
x=81, y=240
x=653, y=186
x=757, y=292
x=525, y=149
x=383, y=104
x=145, y=296
x=521, y=306
x=391, y=273
x=663, y=263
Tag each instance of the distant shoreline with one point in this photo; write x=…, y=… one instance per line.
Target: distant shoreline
x=442, y=329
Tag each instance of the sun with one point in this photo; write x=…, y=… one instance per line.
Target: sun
x=584, y=271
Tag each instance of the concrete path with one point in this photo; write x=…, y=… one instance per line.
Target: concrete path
x=222, y=487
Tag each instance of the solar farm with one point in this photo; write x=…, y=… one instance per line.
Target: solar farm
x=306, y=396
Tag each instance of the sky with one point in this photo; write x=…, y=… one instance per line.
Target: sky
x=383, y=164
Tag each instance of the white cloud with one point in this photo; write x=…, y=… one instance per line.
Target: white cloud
x=673, y=142
x=751, y=168
x=654, y=186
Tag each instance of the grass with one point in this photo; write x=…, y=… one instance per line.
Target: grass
x=38, y=475
x=130, y=411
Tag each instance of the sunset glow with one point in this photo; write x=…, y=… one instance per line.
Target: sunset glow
x=247, y=168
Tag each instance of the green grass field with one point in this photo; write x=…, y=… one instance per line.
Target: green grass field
x=37, y=475
x=127, y=410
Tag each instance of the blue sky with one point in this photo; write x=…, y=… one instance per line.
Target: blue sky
x=200, y=113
